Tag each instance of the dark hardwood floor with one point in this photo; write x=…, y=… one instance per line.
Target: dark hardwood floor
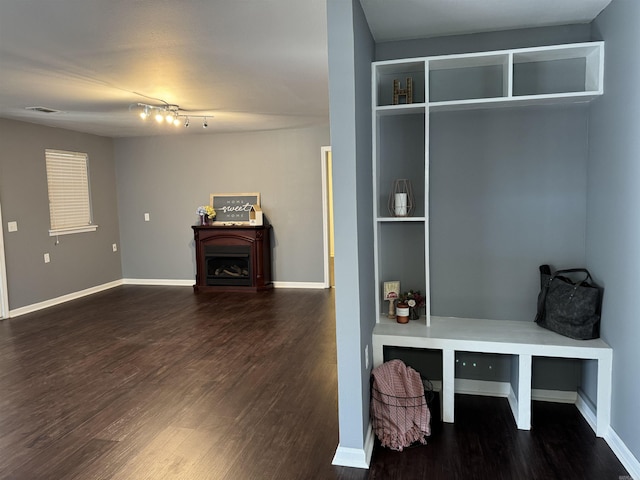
x=158, y=383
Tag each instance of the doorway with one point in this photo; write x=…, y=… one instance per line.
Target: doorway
x=327, y=216
x=4, y=297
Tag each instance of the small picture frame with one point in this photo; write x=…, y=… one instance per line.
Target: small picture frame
x=234, y=208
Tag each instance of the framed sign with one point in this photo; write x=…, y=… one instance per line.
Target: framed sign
x=233, y=208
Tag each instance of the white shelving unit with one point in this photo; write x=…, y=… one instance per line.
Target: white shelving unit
x=529, y=76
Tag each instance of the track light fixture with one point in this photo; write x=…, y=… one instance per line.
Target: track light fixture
x=169, y=113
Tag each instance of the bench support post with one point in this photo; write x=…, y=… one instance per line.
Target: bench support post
x=448, y=384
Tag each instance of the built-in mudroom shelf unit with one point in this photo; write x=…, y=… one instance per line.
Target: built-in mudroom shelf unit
x=520, y=77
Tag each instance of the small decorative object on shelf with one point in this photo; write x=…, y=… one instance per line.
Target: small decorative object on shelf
x=255, y=215
x=407, y=92
x=391, y=292
x=415, y=301
x=401, y=201
x=402, y=310
x=207, y=214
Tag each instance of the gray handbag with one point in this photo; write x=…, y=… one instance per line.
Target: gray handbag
x=570, y=308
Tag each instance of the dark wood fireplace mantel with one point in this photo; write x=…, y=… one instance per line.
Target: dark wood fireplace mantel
x=252, y=246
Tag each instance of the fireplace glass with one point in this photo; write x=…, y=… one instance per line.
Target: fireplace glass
x=228, y=265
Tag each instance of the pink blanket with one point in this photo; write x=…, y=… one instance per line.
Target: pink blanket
x=399, y=411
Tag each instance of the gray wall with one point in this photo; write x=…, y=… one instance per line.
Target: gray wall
x=508, y=193
x=350, y=56
x=169, y=177
x=79, y=261
x=613, y=223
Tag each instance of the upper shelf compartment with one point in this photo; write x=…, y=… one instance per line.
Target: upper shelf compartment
x=526, y=76
x=564, y=69
x=384, y=75
x=468, y=77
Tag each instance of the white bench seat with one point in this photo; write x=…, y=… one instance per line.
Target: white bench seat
x=521, y=340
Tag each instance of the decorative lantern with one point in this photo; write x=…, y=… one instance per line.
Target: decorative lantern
x=401, y=201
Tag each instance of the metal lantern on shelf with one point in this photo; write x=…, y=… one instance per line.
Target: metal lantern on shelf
x=401, y=201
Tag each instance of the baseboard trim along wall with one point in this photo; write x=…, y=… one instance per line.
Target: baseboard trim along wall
x=191, y=282
x=62, y=299
x=628, y=461
x=311, y=285
x=355, y=457
x=159, y=281
x=136, y=281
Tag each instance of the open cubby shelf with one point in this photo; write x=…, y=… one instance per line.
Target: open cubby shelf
x=555, y=74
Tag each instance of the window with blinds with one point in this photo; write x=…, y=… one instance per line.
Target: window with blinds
x=69, y=195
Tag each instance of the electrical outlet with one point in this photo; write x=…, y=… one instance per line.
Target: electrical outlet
x=12, y=226
x=47, y=259
x=146, y=217
x=114, y=247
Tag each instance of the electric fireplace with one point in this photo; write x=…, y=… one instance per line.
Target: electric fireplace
x=232, y=258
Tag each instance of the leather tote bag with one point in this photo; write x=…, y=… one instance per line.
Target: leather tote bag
x=569, y=307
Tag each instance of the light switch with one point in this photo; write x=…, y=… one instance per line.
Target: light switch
x=146, y=217
x=47, y=259
x=12, y=226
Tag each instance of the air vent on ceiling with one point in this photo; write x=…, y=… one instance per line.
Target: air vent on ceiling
x=42, y=109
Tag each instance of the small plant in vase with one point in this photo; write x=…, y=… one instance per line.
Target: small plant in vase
x=414, y=301
x=207, y=214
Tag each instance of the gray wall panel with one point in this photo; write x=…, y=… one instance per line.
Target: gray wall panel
x=613, y=223
x=508, y=193
x=79, y=261
x=169, y=177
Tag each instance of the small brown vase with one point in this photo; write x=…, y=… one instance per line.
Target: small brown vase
x=402, y=313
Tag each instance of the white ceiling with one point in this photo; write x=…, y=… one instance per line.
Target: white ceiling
x=248, y=64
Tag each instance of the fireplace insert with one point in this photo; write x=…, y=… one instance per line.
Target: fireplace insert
x=228, y=265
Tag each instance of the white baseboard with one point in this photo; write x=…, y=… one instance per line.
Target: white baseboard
x=485, y=388
x=355, y=457
x=628, y=461
x=620, y=450
x=587, y=409
x=190, y=282
x=159, y=281
x=62, y=299
x=312, y=285
x=135, y=281
x=554, y=396
x=368, y=444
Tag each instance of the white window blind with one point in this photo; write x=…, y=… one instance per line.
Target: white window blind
x=69, y=199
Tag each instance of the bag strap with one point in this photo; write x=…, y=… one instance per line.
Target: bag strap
x=542, y=298
x=573, y=270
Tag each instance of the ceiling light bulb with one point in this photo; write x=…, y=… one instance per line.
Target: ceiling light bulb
x=205, y=124
x=159, y=117
x=176, y=121
x=144, y=113
x=169, y=117
x=186, y=122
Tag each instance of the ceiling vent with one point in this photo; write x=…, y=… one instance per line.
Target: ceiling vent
x=42, y=109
